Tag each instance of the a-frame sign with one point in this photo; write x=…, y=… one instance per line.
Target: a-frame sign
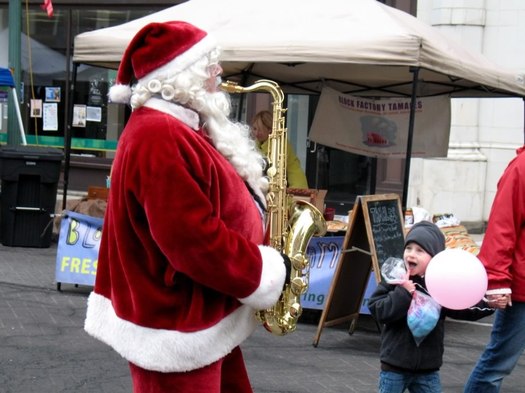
x=375, y=232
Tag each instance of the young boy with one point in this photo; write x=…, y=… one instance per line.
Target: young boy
x=404, y=364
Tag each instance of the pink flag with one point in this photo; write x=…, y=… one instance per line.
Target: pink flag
x=48, y=7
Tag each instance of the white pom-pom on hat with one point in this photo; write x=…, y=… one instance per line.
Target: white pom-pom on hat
x=120, y=94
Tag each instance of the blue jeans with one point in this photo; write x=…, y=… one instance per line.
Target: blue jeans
x=397, y=382
x=507, y=342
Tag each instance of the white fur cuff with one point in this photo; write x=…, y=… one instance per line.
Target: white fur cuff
x=272, y=280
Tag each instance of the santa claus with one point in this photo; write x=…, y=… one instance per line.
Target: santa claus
x=181, y=268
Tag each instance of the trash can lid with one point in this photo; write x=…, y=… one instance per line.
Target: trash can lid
x=31, y=152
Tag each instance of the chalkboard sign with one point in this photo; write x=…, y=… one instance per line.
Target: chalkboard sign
x=375, y=232
x=384, y=221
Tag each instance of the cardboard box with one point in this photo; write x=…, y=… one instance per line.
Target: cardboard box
x=315, y=197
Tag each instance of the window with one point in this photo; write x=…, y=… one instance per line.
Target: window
x=47, y=46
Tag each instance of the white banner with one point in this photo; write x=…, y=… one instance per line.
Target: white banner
x=379, y=127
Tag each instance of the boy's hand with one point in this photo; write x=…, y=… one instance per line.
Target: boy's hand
x=409, y=286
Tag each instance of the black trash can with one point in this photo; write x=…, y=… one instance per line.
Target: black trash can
x=29, y=177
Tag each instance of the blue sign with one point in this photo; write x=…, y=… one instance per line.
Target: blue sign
x=77, y=252
x=6, y=78
x=324, y=253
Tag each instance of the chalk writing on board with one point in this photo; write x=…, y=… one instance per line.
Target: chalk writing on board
x=387, y=229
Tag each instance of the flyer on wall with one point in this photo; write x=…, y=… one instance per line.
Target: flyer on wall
x=50, y=116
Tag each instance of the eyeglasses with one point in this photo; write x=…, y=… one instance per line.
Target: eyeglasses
x=214, y=70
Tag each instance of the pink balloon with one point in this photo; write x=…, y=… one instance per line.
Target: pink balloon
x=456, y=279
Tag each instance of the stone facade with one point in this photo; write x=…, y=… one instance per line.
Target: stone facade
x=485, y=132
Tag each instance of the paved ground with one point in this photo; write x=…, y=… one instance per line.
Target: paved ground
x=44, y=348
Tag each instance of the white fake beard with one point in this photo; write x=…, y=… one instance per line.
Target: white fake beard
x=233, y=139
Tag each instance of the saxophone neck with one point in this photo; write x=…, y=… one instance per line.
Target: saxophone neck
x=262, y=84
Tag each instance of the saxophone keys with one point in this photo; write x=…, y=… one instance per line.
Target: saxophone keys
x=295, y=310
x=298, y=286
x=299, y=261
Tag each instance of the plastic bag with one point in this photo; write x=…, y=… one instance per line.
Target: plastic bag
x=445, y=220
x=423, y=313
x=423, y=316
x=394, y=271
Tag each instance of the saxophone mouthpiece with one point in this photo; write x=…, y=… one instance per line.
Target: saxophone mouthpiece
x=230, y=87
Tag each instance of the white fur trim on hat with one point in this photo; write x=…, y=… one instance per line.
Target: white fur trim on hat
x=272, y=280
x=183, y=61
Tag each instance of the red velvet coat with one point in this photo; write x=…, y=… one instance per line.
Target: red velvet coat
x=503, y=248
x=180, y=269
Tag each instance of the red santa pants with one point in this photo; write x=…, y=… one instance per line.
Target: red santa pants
x=227, y=375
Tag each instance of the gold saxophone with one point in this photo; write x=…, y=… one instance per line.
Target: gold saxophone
x=290, y=225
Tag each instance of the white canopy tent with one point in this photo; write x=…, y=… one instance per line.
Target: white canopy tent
x=360, y=47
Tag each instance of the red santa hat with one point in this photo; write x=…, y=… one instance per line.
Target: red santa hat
x=159, y=50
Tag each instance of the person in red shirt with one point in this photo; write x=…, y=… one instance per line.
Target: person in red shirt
x=503, y=255
x=181, y=268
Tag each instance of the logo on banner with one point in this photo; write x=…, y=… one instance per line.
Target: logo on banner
x=378, y=131
x=78, y=246
x=323, y=253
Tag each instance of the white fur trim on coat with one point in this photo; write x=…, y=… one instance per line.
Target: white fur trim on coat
x=167, y=350
x=185, y=115
x=272, y=280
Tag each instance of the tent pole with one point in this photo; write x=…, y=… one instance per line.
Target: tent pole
x=68, y=137
x=415, y=71
x=15, y=65
x=373, y=175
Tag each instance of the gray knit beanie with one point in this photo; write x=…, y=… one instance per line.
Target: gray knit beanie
x=428, y=236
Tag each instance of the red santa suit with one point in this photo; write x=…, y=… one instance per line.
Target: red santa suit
x=181, y=268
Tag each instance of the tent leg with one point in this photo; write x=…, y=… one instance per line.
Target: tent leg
x=19, y=116
x=415, y=71
x=67, y=139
